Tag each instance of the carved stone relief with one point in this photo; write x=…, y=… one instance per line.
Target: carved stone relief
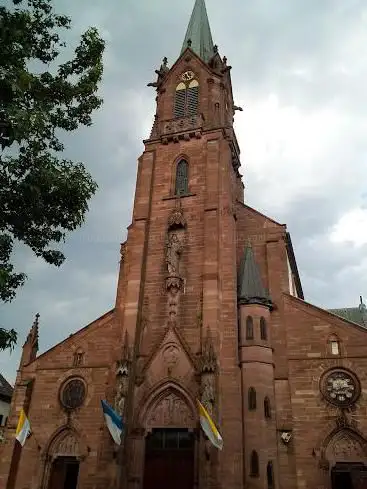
x=174, y=250
x=208, y=393
x=122, y=377
x=66, y=445
x=170, y=356
x=123, y=249
x=180, y=125
x=171, y=411
x=345, y=446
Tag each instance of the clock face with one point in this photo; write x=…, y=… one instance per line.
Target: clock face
x=187, y=76
x=340, y=388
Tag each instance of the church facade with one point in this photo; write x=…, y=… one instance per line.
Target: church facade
x=209, y=306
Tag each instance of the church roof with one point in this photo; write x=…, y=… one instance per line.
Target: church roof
x=6, y=390
x=250, y=284
x=356, y=315
x=198, y=32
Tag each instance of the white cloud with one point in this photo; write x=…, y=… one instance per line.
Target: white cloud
x=351, y=228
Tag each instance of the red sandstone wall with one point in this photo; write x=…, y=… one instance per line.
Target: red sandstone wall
x=308, y=331
x=99, y=342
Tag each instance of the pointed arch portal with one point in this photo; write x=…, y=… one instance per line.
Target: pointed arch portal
x=62, y=460
x=170, y=440
x=346, y=453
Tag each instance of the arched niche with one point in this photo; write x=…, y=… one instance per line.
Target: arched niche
x=345, y=445
x=169, y=406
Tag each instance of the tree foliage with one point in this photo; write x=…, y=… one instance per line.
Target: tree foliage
x=42, y=195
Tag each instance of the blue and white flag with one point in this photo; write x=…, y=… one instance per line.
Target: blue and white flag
x=113, y=421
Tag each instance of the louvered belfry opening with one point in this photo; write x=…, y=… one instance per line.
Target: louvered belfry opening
x=186, y=99
x=192, y=98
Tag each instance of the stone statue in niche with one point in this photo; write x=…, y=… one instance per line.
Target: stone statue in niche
x=173, y=253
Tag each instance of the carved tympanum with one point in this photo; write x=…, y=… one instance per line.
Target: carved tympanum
x=348, y=449
x=171, y=411
x=66, y=445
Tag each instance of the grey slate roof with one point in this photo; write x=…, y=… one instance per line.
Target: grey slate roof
x=250, y=285
x=6, y=390
x=198, y=32
x=356, y=315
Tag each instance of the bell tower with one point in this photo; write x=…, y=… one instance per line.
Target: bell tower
x=177, y=290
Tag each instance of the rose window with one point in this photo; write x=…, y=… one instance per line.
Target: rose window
x=340, y=387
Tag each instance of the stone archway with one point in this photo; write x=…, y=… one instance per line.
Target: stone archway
x=170, y=441
x=61, y=459
x=167, y=412
x=346, y=453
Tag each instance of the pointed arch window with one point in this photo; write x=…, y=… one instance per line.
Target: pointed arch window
x=270, y=475
x=254, y=464
x=182, y=178
x=263, y=329
x=186, y=99
x=249, y=328
x=267, y=408
x=251, y=399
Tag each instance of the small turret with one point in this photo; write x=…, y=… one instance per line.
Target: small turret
x=257, y=368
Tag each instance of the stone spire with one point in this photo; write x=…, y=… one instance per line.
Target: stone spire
x=250, y=286
x=198, y=35
x=30, y=347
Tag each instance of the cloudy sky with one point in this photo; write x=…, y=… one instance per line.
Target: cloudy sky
x=299, y=71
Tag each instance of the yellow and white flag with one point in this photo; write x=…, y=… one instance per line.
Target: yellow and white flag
x=23, y=428
x=209, y=427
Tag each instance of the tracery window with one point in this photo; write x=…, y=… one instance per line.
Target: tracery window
x=73, y=393
x=182, y=178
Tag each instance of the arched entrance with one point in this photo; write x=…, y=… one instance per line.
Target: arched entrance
x=346, y=453
x=62, y=461
x=170, y=442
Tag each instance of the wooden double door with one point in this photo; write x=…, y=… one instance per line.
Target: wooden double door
x=169, y=459
x=64, y=473
x=349, y=476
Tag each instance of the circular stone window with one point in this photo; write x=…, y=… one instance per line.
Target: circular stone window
x=73, y=393
x=340, y=387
